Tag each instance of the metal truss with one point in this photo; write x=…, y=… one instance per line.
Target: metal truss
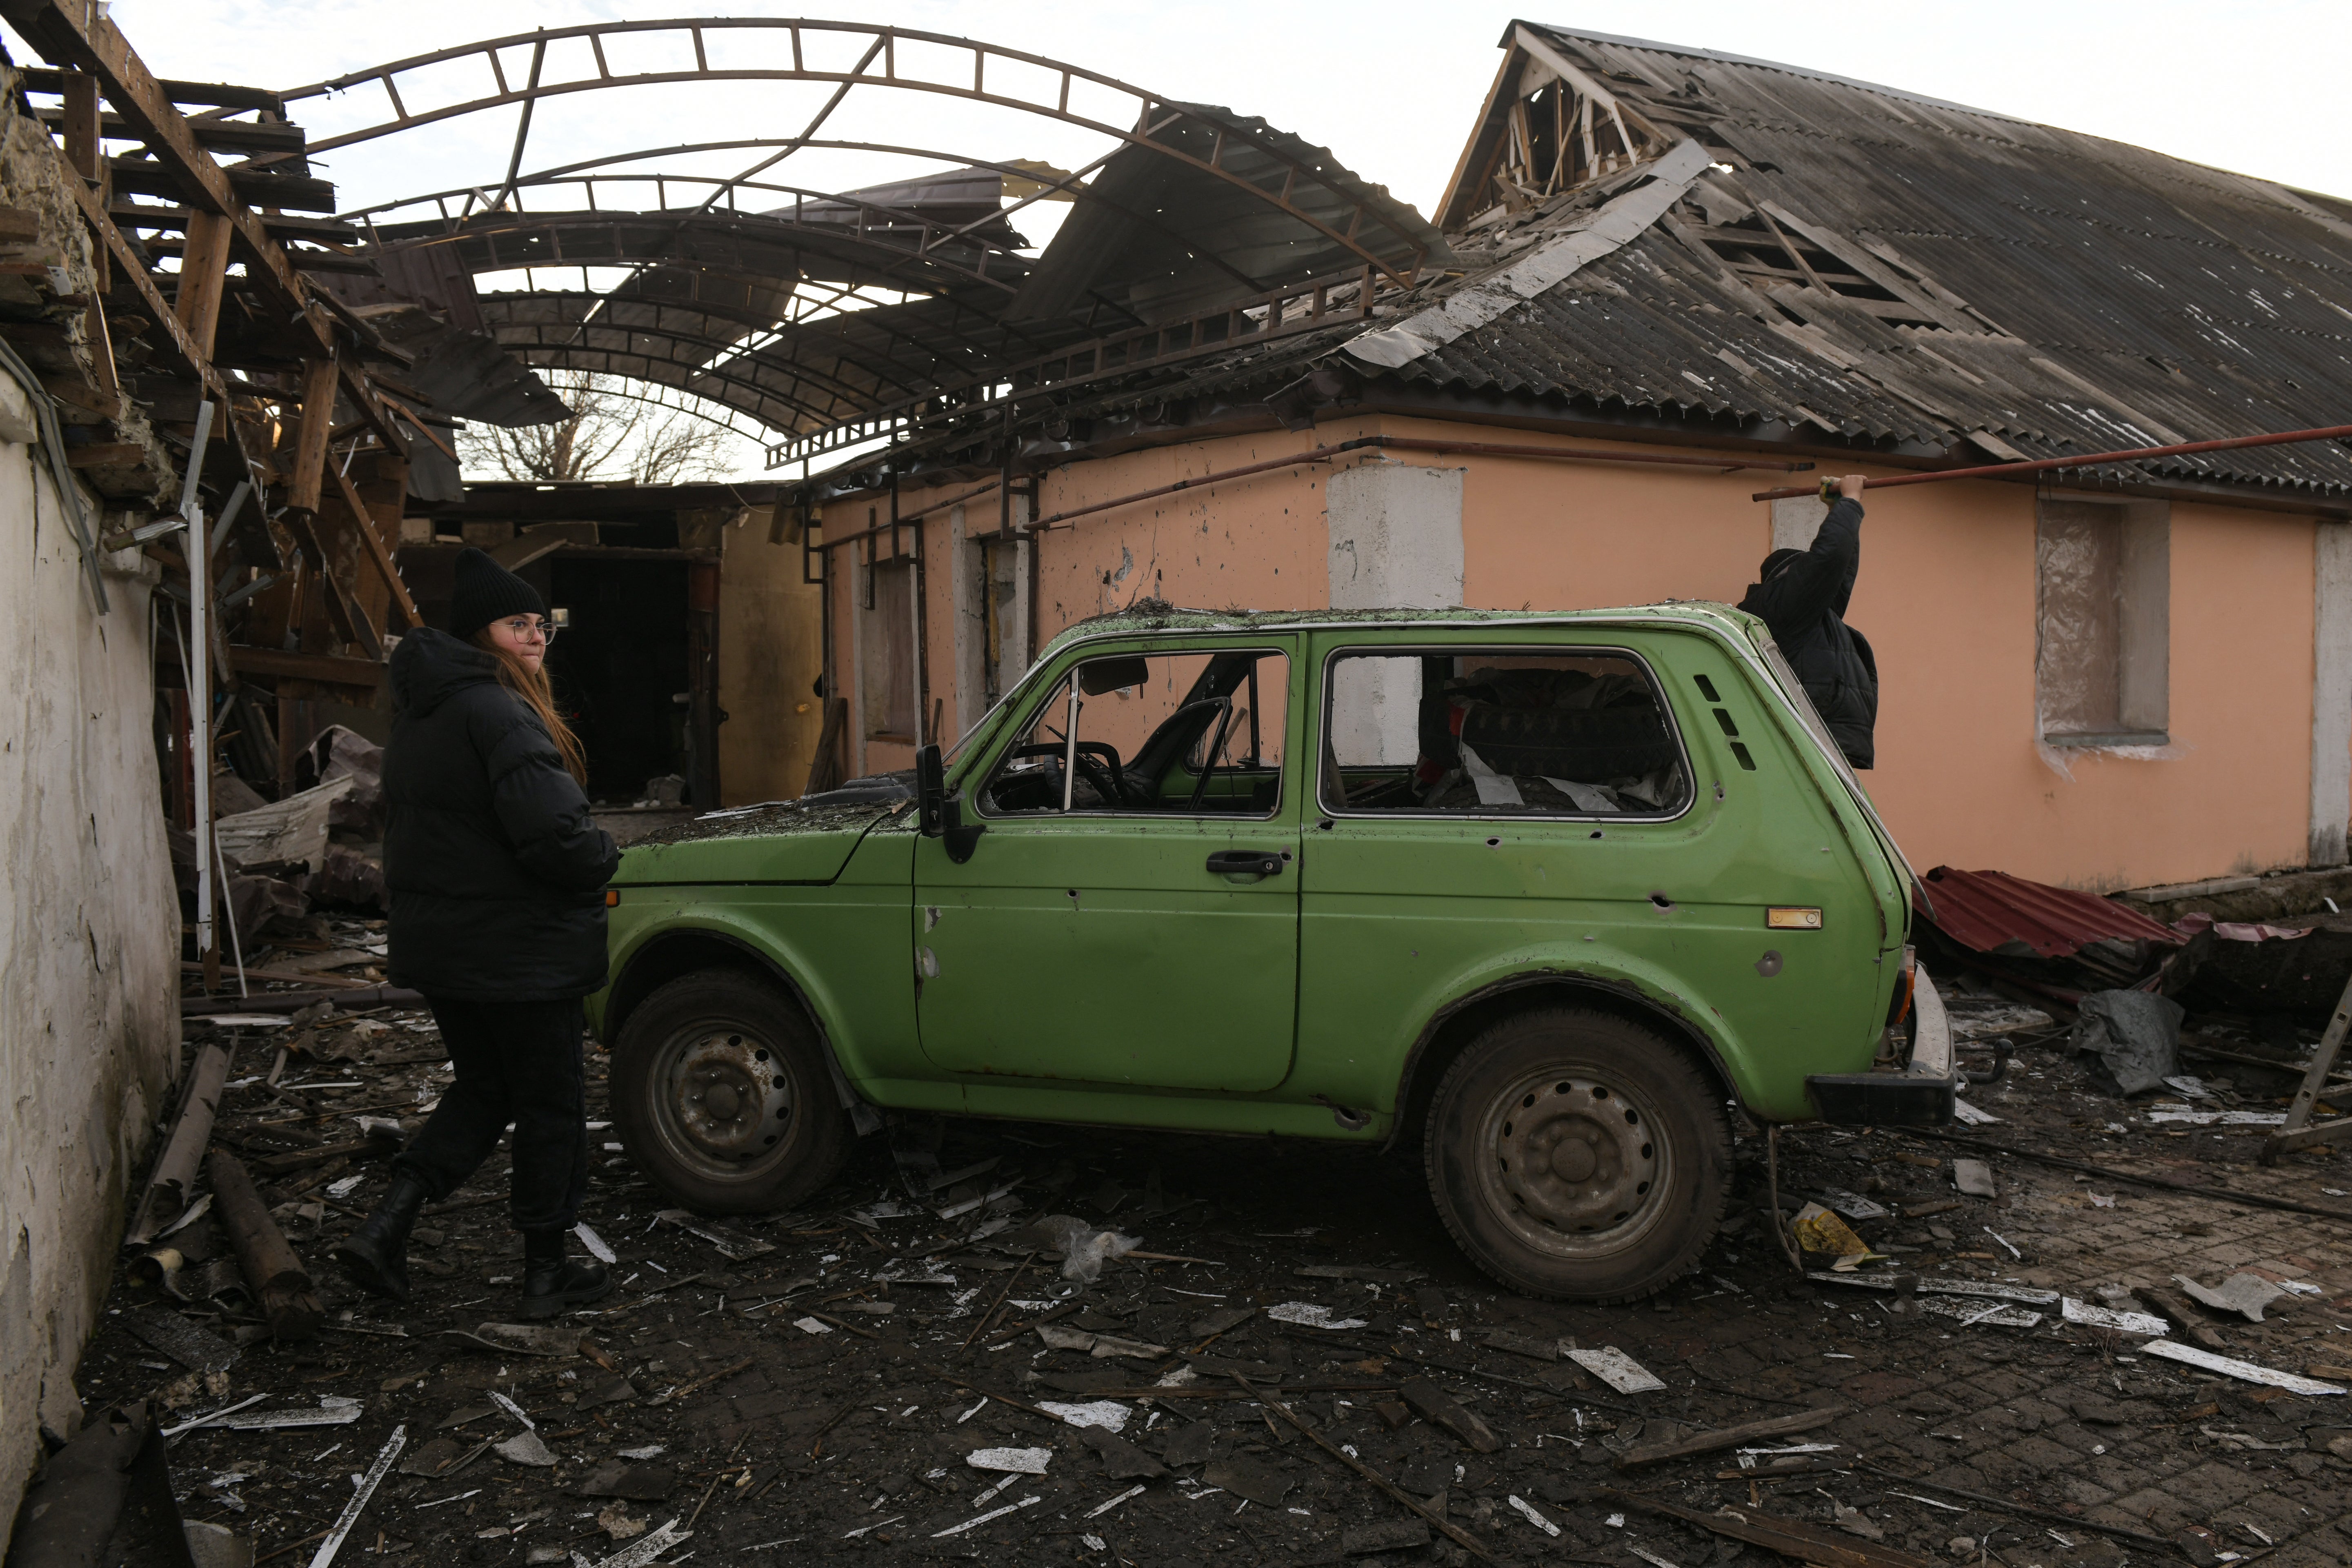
x=1154, y=118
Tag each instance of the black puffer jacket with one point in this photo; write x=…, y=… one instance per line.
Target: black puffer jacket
x=1803, y=600
x=496, y=870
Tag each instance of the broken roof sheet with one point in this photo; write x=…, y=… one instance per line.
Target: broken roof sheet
x=1992, y=911
x=1884, y=267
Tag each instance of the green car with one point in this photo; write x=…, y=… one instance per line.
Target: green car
x=1556, y=899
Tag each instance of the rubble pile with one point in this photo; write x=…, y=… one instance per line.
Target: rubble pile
x=1011, y=1343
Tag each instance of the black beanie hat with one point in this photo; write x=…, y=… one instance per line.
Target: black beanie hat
x=487, y=592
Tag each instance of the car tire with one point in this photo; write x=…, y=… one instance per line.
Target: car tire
x=724, y=1098
x=1577, y=1156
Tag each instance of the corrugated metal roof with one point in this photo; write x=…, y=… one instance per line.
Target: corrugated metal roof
x=1964, y=272
x=1992, y=911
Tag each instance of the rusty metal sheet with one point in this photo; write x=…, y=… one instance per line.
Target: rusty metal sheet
x=1992, y=911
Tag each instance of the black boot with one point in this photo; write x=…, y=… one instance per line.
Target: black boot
x=376, y=1255
x=552, y=1283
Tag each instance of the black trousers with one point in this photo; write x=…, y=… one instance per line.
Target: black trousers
x=516, y=1062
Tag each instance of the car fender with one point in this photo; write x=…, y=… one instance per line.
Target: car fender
x=1595, y=968
x=756, y=943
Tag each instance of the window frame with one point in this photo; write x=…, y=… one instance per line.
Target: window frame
x=1051, y=689
x=1325, y=753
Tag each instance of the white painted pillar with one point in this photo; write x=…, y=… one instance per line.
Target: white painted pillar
x=1795, y=520
x=1395, y=543
x=2331, y=692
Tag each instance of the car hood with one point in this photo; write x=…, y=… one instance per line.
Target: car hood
x=806, y=840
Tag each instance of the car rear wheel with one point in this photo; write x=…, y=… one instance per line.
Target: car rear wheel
x=1578, y=1156
x=722, y=1095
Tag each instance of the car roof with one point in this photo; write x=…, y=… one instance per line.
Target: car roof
x=1148, y=616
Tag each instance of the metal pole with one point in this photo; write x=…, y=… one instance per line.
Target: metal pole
x=197, y=546
x=2000, y=470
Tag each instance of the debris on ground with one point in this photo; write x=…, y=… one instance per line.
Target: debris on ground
x=767, y=1388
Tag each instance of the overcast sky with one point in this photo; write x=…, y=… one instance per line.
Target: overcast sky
x=1391, y=86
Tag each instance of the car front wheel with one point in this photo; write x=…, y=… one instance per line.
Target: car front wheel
x=721, y=1097
x=1578, y=1156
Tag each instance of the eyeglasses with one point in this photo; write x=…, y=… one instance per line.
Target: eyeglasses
x=525, y=625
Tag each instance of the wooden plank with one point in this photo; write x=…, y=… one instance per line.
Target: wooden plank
x=2298, y=1131
x=303, y=481
x=179, y=349
x=363, y=519
x=204, y=94
x=331, y=668
x=99, y=454
x=1730, y=1437
x=204, y=273
x=231, y=135
x=83, y=36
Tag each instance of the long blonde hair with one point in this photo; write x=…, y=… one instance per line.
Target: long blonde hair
x=531, y=686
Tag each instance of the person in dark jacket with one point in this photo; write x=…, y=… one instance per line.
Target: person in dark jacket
x=1802, y=598
x=496, y=875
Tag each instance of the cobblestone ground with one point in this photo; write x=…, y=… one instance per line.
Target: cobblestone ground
x=804, y=1407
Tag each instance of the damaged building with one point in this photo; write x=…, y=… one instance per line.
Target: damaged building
x=1190, y=360
x=1701, y=272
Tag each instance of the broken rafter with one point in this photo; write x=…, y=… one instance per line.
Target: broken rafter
x=84, y=37
x=363, y=520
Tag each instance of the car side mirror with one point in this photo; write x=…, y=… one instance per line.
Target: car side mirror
x=937, y=813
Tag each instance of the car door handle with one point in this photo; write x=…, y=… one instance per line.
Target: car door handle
x=1245, y=863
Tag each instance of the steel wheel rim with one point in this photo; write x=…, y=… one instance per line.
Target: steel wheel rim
x=1572, y=1164
x=722, y=1101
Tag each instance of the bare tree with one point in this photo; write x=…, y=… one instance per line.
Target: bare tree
x=609, y=437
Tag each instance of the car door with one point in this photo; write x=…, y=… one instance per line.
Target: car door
x=1132, y=919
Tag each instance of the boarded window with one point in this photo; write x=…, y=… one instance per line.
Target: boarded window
x=886, y=647
x=2101, y=654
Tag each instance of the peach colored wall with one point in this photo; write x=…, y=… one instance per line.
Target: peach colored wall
x=1257, y=542
x=1946, y=597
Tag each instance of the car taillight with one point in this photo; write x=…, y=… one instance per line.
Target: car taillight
x=1903, y=984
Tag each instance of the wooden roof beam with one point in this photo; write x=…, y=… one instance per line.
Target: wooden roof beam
x=81, y=36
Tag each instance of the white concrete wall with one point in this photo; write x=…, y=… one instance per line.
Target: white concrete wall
x=1396, y=543
x=89, y=943
x=1795, y=520
x=2331, y=693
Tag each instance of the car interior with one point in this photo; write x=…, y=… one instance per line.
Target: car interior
x=1499, y=732
x=1183, y=733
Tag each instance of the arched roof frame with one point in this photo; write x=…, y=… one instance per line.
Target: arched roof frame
x=1156, y=114
x=940, y=342
x=581, y=173
x=685, y=376
x=717, y=360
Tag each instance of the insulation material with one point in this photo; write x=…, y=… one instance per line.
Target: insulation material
x=2078, y=663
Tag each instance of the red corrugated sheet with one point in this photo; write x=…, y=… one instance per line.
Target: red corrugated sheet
x=1990, y=911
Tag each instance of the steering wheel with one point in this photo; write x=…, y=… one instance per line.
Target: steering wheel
x=1108, y=779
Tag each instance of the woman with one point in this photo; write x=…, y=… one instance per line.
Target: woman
x=496, y=875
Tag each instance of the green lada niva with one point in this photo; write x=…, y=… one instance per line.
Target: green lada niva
x=1556, y=899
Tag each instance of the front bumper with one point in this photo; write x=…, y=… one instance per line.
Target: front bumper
x=1919, y=1095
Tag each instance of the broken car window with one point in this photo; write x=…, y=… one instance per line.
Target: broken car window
x=1190, y=733
x=1501, y=732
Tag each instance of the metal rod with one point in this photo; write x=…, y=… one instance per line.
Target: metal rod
x=200, y=705
x=1416, y=444
x=2001, y=471
x=1070, y=744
